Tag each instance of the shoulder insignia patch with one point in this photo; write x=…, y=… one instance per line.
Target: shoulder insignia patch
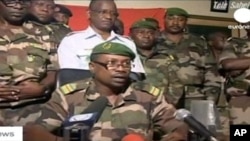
x=155, y=91
x=68, y=88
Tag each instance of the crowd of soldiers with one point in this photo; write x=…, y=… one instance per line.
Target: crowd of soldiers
x=172, y=68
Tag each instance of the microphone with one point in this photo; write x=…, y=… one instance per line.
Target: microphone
x=186, y=116
x=77, y=127
x=133, y=137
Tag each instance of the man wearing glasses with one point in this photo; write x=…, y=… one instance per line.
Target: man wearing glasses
x=132, y=108
x=74, y=50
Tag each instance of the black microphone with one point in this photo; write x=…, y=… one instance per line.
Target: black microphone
x=77, y=127
x=186, y=116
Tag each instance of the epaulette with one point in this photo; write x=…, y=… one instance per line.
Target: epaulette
x=146, y=87
x=73, y=87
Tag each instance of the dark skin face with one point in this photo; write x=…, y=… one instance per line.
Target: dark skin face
x=111, y=71
x=175, y=24
x=217, y=41
x=102, y=15
x=42, y=10
x=61, y=18
x=13, y=11
x=144, y=38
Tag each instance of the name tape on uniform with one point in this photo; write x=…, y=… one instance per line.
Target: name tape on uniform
x=11, y=133
x=239, y=132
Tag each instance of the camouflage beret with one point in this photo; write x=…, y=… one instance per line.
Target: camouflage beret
x=62, y=9
x=177, y=11
x=113, y=48
x=143, y=23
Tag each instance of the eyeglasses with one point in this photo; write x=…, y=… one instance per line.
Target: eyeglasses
x=13, y=3
x=111, y=65
x=105, y=12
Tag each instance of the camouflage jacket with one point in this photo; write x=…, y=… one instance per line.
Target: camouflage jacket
x=236, y=48
x=214, y=81
x=50, y=35
x=22, y=57
x=136, y=111
x=188, y=65
x=158, y=72
x=23, y=115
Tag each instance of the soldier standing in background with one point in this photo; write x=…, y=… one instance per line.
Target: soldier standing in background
x=215, y=82
x=189, y=53
x=23, y=68
x=62, y=14
x=41, y=24
x=235, y=62
x=156, y=63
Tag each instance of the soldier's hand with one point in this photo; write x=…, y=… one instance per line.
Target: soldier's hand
x=236, y=92
x=8, y=92
x=30, y=89
x=32, y=132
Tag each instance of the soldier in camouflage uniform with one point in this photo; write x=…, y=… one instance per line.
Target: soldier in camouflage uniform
x=41, y=24
x=131, y=108
x=188, y=64
x=23, y=63
x=215, y=81
x=235, y=63
x=156, y=63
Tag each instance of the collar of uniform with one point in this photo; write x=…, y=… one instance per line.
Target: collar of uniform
x=128, y=95
x=155, y=51
x=167, y=41
x=91, y=33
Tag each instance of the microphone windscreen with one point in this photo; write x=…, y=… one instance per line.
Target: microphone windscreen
x=181, y=114
x=133, y=137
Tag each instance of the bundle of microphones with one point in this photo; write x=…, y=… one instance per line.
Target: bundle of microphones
x=77, y=127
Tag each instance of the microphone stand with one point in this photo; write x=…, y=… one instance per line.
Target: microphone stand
x=76, y=132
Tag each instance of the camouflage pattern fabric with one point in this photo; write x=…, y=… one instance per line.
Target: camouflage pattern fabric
x=158, y=72
x=187, y=69
x=136, y=111
x=29, y=114
x=51, y=35
x=239, y=106
x=22, y=57
x=214, y=88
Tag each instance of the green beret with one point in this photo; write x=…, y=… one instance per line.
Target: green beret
x=113, y=48
x=143, y=23
x=177, y=11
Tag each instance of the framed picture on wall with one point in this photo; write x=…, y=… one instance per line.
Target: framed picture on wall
x=203, y=25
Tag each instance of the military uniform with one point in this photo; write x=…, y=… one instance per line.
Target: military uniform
x=22, y=58
x=140, y=108
x=50, y=35
x=214, y=88
x=187, y=67
x=136, y=111
x=239, y=106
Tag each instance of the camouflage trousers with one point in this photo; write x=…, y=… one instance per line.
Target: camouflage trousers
x=223, y=130
x=239, y=110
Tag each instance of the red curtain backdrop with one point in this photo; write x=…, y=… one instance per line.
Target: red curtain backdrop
x=79, y=20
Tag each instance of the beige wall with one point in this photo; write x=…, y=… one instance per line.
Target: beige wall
x=194, y=7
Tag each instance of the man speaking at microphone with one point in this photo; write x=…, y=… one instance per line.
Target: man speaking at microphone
x=134, y=110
